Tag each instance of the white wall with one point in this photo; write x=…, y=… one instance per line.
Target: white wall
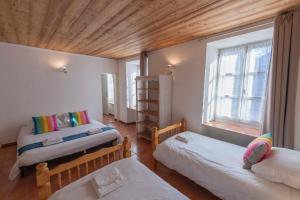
x=189, y=61
x=125, y=114
x=188, y=80
x=122, y=91
x=30, y=85
x=105, y=106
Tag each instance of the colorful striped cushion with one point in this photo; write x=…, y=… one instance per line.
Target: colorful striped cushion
x=44, y=124
x=79, y=118
x=258, y=150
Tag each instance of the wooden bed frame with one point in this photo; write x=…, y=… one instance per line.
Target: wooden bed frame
x=103, y=157
x=68, y=158
x=159, y=135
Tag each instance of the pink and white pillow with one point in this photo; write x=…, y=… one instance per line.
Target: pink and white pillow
x=257, y=150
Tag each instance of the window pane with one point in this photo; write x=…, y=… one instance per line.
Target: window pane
x=132, y=70
x=228, y=107
x=255, y=85
x=230, y=82
x=258, y=61
x=110, y=86
x=231, y=61
x=230, y=86
x=259, y=57
x=252, y=110
x=242, y=82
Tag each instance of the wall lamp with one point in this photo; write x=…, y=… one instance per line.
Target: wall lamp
x=63, y=70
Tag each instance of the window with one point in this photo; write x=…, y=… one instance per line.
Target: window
x=132, y=71
x=110, y=89
x=241, y=83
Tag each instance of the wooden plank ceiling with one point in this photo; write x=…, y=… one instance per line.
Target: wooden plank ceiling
x=121, y=28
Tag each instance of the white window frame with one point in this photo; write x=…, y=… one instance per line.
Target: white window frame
x=131, y=87
x=110, y=85
x=242, y=96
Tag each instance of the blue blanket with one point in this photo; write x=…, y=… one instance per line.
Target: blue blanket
x=65, y=139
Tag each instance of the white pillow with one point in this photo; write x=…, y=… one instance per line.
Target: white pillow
x=282, y=166
x=63, y=120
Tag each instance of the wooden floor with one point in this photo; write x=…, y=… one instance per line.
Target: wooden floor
x=25, y=188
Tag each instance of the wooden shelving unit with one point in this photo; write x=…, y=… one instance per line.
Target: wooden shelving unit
x=149, y=101
x=153, y=103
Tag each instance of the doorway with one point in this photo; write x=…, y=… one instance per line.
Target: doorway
x=109, y=98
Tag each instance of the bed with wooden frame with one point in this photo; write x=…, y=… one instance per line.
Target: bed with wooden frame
x=68, y=183
x=159, y=135
x=215, y=165
x=31, y=151
x=44, y=175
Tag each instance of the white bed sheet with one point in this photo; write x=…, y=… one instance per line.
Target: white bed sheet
x=218, y=166
x=142, y=184
x=42, y=154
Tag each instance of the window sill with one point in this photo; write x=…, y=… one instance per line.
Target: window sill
x=134, y=109
x=237, y=128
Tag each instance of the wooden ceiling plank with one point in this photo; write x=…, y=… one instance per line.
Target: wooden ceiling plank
x=20, y=12
x=170, y=27
x=7, y=22
x=122, y=17
x=229, y=24
x=166, y=28
x=38, y=11
x=193, y=28
x=72, y=14
x=215, y=29
x=112, y=9
x=140, y=25
x=2, y=37
x=114, y=28
x=77, y=26
x=55, y=13
x=185, y=33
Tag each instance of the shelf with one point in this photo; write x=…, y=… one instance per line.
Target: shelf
x=146, y=78
x=153, y=101
x=149, y=112
x=154, y=89
x=145, y=135
x=148, y=124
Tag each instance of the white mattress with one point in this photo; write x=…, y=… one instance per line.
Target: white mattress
x=217, y=166
x=42, y=154
x=142, y=184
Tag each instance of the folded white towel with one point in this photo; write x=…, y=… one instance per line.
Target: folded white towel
x=104, y=190
x=94, y=131
x=107, y=176
x=181, y=138
x=51, y=141
x=108, y=181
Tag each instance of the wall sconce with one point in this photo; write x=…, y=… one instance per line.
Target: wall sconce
x=63, y=70
x=170, y=69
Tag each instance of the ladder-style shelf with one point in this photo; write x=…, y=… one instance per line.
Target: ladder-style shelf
x=153, y=103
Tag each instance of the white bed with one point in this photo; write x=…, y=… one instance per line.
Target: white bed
x=218, y=166
x=142, y=184
x=42, y=154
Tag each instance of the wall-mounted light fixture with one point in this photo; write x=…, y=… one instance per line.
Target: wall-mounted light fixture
x=63, y=70
x=170, y=69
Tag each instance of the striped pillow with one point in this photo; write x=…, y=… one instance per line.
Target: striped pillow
x=79, y=118
x=44, y=124
x=258, y=150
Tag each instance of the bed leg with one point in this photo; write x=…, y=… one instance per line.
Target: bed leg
x=22, y=172
x=155, y=164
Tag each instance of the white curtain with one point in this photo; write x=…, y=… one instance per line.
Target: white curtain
x=242, y=82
